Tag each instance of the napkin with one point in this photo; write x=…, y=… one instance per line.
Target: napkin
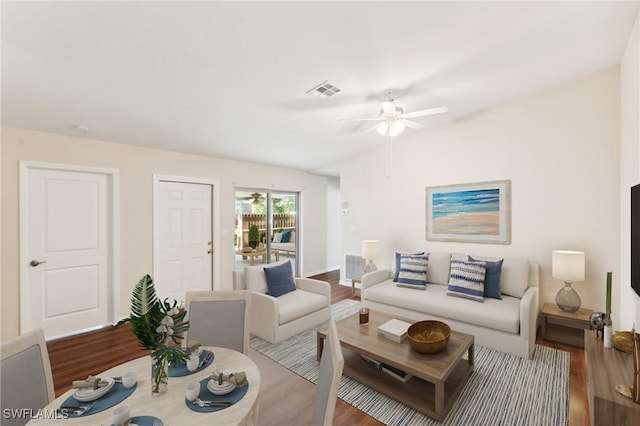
x=239, y=378
x=90, y=382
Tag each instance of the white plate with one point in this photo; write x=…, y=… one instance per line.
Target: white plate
x=222, y=389
x=86, y=395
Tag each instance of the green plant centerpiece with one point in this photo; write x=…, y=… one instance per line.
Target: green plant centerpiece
x=254, y=235
x=159, y=327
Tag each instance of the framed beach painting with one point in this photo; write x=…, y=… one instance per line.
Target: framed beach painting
x=471, y=213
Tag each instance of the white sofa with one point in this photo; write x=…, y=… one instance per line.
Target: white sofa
x=285, y=247
x=288, y=247
x=277, y=318
x=507, y=325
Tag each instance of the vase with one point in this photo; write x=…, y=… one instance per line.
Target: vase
x=159, y=376
x=567, y=298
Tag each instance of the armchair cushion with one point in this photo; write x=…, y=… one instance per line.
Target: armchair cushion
x=279, y=279
x=296, y=304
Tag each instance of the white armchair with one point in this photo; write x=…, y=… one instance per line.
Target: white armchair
x=275, y=319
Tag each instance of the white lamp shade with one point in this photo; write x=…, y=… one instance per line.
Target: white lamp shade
x=370, y=249
x=568, y=265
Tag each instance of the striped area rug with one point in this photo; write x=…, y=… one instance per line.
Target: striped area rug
x=503, y=389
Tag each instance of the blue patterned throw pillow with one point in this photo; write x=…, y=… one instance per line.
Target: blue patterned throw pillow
x=397, y=264
x=466, y=279
x=413, y=271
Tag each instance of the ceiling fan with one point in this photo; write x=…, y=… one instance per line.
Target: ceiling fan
x=256, y=198
x=392, y=120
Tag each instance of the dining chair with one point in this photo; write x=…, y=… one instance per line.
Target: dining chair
x=219, y=318
x=26, y=380
x=331, y=365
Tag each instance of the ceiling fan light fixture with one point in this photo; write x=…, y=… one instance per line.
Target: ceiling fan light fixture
x=382, y=128
x=396, y=127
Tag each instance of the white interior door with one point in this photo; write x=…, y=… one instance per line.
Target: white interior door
x=183, y=214
x=66, y=248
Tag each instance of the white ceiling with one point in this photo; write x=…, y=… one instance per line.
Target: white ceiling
x=228, y=79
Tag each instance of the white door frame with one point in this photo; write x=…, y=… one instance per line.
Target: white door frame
x=112, y=234
x=215, y=220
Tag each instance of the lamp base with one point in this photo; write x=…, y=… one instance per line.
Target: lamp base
x=567, y=298
x=370, y=267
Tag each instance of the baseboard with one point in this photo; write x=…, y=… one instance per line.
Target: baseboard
x=322, y=271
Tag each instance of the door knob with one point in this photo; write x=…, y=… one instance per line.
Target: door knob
x=36, y=262
x=209, y=251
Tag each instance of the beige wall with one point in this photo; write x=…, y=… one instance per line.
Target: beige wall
x=136, y=169
x=560, y=147
x=629, y=313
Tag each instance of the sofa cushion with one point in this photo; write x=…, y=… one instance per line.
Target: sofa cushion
x=502, y=315
x=279, y=279
x=467, y=279
x=396, y=264
x=438, y=269
x=286, y=235
x=299, y=303
x=413, y=271
x=255, y=279
x=514, y=279
x=492, y=278
x=277, y=237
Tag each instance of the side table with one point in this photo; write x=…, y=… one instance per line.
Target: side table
x=355, y=291
x=564, y=327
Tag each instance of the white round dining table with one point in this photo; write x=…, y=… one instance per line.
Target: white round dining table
x=170, y=407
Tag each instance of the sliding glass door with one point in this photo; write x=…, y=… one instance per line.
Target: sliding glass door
x=266, y=227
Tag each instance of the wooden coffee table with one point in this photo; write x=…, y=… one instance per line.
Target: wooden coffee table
x=437, y=378
x=253, y=254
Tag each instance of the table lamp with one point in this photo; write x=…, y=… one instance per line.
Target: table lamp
x=370, y=251
x=568, y=266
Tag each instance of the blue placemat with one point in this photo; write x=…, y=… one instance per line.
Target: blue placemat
x=116, y=395
x=181, y=370
x=143, y=420
x=233, y=396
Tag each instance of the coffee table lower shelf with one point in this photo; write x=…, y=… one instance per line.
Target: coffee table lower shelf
x=415, y=393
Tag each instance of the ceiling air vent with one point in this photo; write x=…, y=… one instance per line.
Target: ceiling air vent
x=324, y=90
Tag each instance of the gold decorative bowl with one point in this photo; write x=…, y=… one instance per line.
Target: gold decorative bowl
x=623, y=341
x=429, y=337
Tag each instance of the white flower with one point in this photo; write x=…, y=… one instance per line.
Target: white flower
x=168, y=321
x=162, y=329
x=173, y=311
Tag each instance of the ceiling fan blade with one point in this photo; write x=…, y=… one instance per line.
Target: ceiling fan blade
x=422, y=113
x=362, y=119
x=413, y=125
x=388, y=107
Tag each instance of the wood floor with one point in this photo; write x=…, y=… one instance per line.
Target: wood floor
x=285, y=398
